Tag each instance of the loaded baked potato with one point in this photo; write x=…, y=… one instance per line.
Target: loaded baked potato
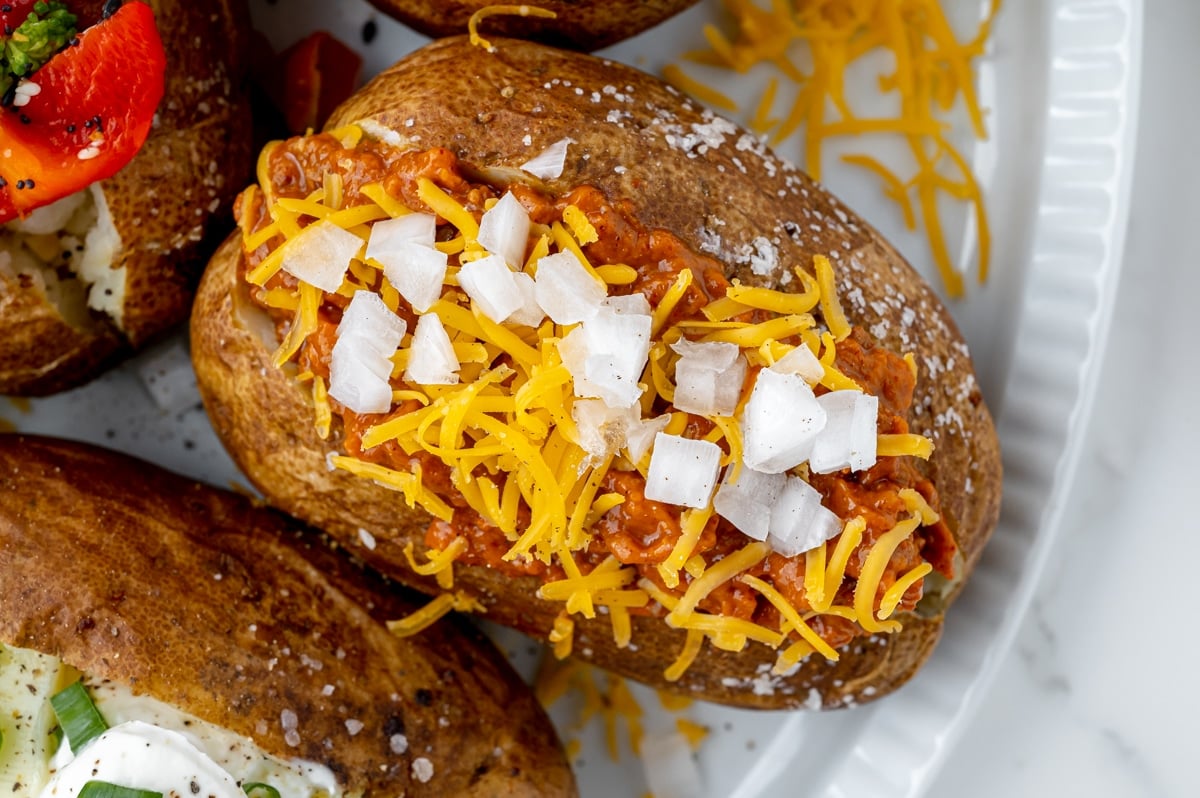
x=583, y=302
x=188, y=611
x=577, y=24
x=111, y=198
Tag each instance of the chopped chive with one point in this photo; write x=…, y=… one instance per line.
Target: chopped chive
x=78, y=716
x=256, y=789
x=102, y=789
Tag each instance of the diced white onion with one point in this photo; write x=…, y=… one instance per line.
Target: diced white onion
x=416, y=272
x=565, y=289
x=414, y=229
x=682, y=471
x=548, y=164
x=360, y=367
x=530, y=313
x=321, y=254
x=671, y=770
x=368, y=316
x=489, y=282
x=606, y=356
x=356, y=382
x=602, y=429
x=432, y=360
x=848, y=439
x=708, y=377
x=504, y=230
x=780, y=422
x=801, y=361
x=799, y=521
x=629, y=303
x=639, y=436
x=747, y=503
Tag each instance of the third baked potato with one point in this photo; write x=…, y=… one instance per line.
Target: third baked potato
x=711, y=311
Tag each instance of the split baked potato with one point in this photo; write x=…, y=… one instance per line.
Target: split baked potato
x=190, y=608
x=693, y=220
x=578, y=24
x=100, y=273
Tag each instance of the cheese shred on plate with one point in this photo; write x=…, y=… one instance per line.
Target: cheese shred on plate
x=546, y=390
x=932, y=73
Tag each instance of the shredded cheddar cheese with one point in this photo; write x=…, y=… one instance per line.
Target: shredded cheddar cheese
x=500, y=10
x=932, y=74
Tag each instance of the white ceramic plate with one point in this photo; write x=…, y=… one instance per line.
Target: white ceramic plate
x=1061, y=83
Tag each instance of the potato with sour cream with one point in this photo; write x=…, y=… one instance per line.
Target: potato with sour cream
x=160, y=635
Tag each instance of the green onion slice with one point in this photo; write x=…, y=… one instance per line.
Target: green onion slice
x=102, y=789
x=78, y=716
x=256, y=789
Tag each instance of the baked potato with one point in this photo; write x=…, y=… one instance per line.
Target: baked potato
x=191, y=609
x=110, y=265
x=563, y=470
x=578, y=24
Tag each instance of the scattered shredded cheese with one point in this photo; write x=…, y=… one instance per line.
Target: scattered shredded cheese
x=932, y=74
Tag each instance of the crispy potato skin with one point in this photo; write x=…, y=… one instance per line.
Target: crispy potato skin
x=580, y=25
x=202, y=600
x=171, y=205
x=642, y=142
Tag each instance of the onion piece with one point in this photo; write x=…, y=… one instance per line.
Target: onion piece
x=799, y=521
x=671, y=770
x=780, y=422
x=606, y=356
x=682, y=471
x=415, y=229
x=416, y=272
x=504, y=230
x=708, y=377
x=747, y=503
x=530, y=313
x=602, y=429
x=321, y=254
x=640, y=436
x=565, y=290
x=548, y=164
x=801, y=361
x=432, y=360
x=360, y=367
x=490, y=284
x=849, y=437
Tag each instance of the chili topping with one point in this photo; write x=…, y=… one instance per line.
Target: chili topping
x=587, y=400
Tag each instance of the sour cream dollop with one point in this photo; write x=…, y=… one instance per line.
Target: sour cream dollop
x=143, y=757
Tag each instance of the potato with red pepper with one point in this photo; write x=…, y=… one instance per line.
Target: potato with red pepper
x=125, y=131
x=597, y=358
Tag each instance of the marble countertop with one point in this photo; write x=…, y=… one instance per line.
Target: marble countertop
x=1096, y=698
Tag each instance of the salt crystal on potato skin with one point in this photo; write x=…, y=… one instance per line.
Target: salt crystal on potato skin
x=677, y=173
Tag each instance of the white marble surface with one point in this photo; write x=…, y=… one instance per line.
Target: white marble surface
x=1098, y=696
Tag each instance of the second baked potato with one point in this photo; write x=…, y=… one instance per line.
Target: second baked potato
x=192, y=610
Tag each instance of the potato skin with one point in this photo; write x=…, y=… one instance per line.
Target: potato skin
x=679, y=169
x=171, y=205
x=204, y=601
x=580, y=25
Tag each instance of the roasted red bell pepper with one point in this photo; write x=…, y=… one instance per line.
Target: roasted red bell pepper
x=92, y=112
x=13, y=13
